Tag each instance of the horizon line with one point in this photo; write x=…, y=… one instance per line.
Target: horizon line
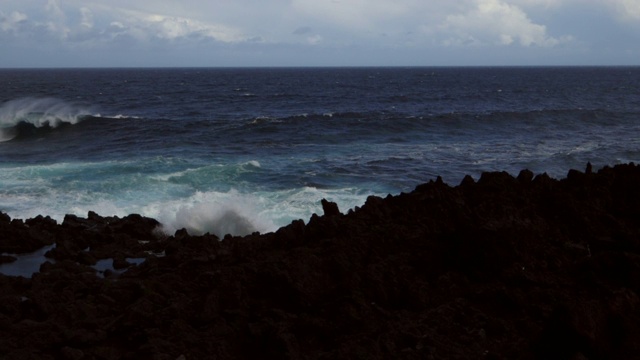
x=307, y=67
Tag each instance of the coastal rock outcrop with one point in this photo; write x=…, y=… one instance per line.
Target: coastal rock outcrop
x=525, y=267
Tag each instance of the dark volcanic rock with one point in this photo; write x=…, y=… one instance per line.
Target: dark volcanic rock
x=329, y=208
x=502, y=268
x=7, y=259
x=19, y=237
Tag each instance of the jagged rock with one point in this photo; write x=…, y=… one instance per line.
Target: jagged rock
x=467, y=181
x=73, y=221
x=525, y=176
x=330, y=208
x=135, y=226
x=4, y=218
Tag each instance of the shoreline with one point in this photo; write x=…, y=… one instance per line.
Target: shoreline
x=499, y=268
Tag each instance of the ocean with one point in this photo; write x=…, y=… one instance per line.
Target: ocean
x=239, y=150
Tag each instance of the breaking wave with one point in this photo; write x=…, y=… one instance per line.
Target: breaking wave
x=27, y=115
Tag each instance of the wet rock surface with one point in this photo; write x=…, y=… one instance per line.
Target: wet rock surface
x=525, y=267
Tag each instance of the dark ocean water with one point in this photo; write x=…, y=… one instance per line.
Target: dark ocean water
x=241, y=150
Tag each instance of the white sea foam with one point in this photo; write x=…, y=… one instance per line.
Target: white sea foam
x=213, y=172
x=239, y=213
x=176, y=175
x=214, y=212
x=118, y=116
x=254, y=163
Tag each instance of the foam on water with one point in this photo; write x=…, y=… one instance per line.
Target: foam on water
x=180, y=199
x=118, y=116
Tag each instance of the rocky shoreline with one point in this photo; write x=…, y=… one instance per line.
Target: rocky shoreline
x=500, y=268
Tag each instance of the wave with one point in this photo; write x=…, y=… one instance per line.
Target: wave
x=26, y=116
x=35, y=117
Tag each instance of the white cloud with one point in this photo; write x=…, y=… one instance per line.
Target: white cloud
x=12, y=21
x=54, y=9
x=93, y=24
x=87, y=18
x=495, y=22
x=174, y=27
x=56, y=23
x=629, y=9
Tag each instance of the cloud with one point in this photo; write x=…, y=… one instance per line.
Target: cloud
x=12, y=22
x=377, y=23
x=629, y=9
x=150, y=25
x=87, y=18
x=56, y=22
x=323, y=29
x=53, y=8
x=98, y=24
x=495, y=22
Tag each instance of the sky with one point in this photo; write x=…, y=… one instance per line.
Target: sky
x=222, y=33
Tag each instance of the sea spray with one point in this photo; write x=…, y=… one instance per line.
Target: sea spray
x=31, y=112
x=216, y=213
x=237, y=213
x=41, y=112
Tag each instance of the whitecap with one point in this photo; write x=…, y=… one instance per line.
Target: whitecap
x=254, y=163
x=118, y=116
x=40, y=112
x=37, y=112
